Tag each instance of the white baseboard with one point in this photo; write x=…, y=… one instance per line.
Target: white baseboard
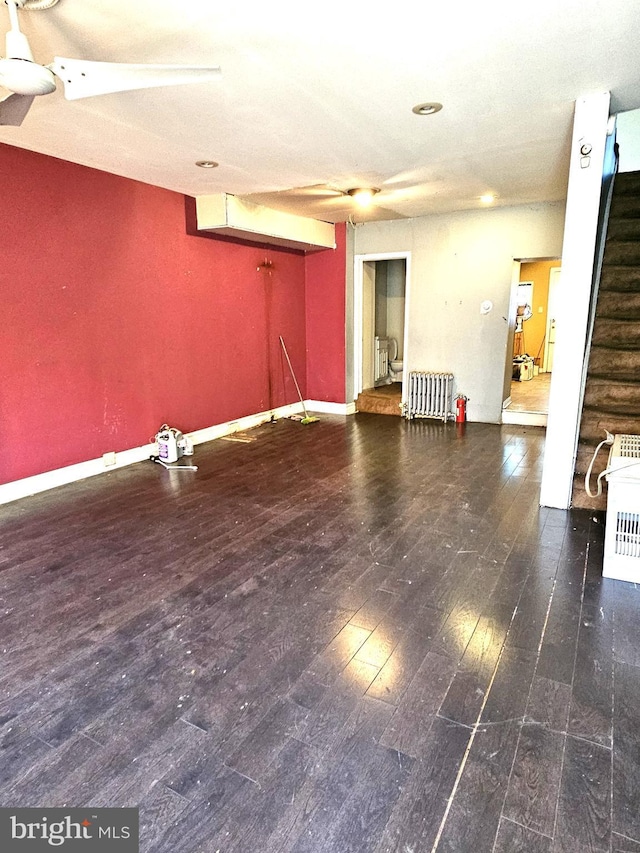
x=70, y=474
x=92, y=467
x=331, y=408
x=199, y=436
x=524, y=418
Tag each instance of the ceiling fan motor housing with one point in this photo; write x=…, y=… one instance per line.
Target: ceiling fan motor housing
x=19, y=73
x=25, y=77
x=36, y=5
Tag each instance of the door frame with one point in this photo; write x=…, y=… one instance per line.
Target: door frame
x=555, y=274
x=358, y=299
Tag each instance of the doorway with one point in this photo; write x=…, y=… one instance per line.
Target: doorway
x=530, y=359
x=381, y=311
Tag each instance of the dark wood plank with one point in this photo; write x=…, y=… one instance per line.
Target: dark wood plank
x=258, y=812
x=348, y=763
x=379, y=645
x=452, y=639
x=464, y=698
x=154, y=758
x=202, y=819
x=415, y=820
x=513, y=838
x=557, y=654
x=584, y=809
x=363, y=817
x=401, y=666
x=534, y=785
x=19, y=750
x=450, y=593
x=40, y=785
x=626, y=760
x=322, y=726
x=566, y=844
x=199, y=775
x=472, y=822
x=620, y=844
x=260, y=748
x=507, y=698
x=410, y=724
x=339, y=652
x=591, y=705
x=467, y=692
x=532, y=606
x=373, y=610
x=158, y=809
x=548, y=704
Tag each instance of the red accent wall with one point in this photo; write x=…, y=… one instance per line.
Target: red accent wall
x=115, y=321
x=326, y=334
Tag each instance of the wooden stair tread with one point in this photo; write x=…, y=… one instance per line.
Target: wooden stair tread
x=385, y=400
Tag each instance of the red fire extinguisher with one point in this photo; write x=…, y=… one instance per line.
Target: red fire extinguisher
x=461, y=408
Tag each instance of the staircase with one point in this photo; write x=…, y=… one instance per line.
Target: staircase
x=612, y=393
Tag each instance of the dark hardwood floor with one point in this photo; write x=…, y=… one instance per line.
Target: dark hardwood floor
x=361, y=635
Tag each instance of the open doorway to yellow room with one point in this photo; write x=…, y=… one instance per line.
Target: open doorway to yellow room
x=533, y=342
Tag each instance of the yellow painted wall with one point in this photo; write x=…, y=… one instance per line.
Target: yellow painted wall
x=534, y=328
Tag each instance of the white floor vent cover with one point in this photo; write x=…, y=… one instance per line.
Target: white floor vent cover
x=622, y=532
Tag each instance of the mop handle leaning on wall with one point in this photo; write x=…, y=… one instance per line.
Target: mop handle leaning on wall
x=308, y=419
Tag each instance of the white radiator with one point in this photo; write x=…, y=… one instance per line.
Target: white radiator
x=381, y=363
x=429, y=395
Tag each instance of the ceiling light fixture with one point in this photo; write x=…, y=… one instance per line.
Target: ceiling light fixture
x=427, y=109
x=487, y=198
x=363, y=196
x=207, y=164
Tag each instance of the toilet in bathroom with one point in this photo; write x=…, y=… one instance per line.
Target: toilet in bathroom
x=395, y=364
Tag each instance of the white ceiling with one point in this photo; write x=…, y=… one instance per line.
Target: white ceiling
x=321, y=95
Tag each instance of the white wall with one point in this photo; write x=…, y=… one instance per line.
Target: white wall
x=458, y=260
x=628, y=137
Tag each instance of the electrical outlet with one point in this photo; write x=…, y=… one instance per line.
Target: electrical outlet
x=109, y=459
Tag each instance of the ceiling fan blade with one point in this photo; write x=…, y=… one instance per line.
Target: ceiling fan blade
x=14, y=108
x=84, y=79
x=320, y=191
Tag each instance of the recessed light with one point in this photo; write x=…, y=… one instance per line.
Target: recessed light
x=427, y=109
x=207, y=164
x=487, y=198
x=363, y=196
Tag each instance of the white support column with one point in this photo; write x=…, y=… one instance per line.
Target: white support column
x=578, y=252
